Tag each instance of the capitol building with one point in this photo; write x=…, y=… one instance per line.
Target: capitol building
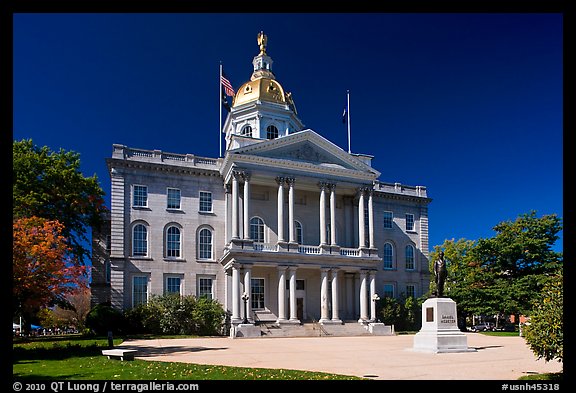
x=285, y=228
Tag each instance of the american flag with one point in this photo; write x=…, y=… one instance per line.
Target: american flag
x=227, y=86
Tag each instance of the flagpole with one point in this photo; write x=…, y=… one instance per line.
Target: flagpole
x=348, y=114
x=220, y=100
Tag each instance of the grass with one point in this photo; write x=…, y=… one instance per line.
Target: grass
x=81, y=358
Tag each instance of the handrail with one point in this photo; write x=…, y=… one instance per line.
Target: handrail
x=320, y=327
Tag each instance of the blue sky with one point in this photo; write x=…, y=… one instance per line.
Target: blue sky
x=467, y=104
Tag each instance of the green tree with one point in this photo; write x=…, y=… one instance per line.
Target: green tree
x=504, y=274
x=50, y=185
x=509, y=269
x=545, y=332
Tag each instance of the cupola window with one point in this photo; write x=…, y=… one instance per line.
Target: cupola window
x=271, y=132
x=246, y=131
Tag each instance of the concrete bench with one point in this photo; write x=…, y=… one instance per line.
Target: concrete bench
x=122, y=354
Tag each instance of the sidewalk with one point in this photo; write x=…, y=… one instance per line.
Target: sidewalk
x=374, y=357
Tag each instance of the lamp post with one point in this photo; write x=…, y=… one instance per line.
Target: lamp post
x=375, y=298
x=245, y=298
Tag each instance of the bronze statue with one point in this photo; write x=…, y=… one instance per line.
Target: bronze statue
x=441, y=273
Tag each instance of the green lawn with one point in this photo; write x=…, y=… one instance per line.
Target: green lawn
x=70, y=359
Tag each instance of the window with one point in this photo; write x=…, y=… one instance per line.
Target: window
x=172, y=285
x=140, y=196
x=139, y=241
x=409, y=222
x=271, y=132
x=299, y=236
x=205, y=244
x=205, y=202
x=246, y=131
x=205, y=288
x=257, y=229
x=139, y=290
x=107, y=272
x=409, y=257
x=410, y=290
x=388, y=256
x=173, y=198
x=388, y=220
x=388, y=290
x=300, y=285
x=173, y=242
x=108, y=243
x=257, y=293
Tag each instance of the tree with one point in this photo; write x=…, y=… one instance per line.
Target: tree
x=50, y=185
x=75, y=310
x=43, y=271
x=512, y=266
x=503, y=274
x=545, y=332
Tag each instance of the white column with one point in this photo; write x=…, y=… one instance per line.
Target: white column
x=322, y=213
x=247, y=289
x=293, y=310
x=324, y=295
x=361, y=233
x=335, y=295
x=246, y=206
x=235, y=294
x=291, y=229
x=281, y=294
x=280, y=181
x=333, y=214
x=372, y=293
x=371, y=219
x=235, y=205
x=227, y=191
x=362, y=295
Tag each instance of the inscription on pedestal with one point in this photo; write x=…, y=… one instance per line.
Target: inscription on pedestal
x=429, y=314
x=447, y=319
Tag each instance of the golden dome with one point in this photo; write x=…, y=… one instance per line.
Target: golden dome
x=263, y=89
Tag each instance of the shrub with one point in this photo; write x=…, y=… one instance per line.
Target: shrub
x=103, y=318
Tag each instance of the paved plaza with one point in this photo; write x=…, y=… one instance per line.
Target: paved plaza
x=374, y=357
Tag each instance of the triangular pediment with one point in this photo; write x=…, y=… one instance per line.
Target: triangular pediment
x=305, y=147
x=305, y=151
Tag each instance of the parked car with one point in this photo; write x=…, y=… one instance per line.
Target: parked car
x=483, y=327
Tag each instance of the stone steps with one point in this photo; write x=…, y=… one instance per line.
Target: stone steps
x=347, y=329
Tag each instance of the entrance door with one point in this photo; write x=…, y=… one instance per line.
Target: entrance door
x=300, y=308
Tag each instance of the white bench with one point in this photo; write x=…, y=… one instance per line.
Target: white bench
x=122, y=354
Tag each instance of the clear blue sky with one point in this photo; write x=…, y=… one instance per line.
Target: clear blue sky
x=468, y=105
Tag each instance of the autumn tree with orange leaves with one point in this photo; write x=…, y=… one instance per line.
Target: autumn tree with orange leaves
x=44, y=270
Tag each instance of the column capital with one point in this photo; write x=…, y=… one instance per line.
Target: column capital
x=280, y=180
x=237, y=174
x=290, y=181
x=322, y=185
x=245, y=176
x=331, y=186
x=363, y=189
x=228, y=188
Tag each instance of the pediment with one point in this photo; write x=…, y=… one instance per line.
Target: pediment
x=305, y=151
x=306, y=147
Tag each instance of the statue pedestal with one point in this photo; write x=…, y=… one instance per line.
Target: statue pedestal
x=439, y=332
